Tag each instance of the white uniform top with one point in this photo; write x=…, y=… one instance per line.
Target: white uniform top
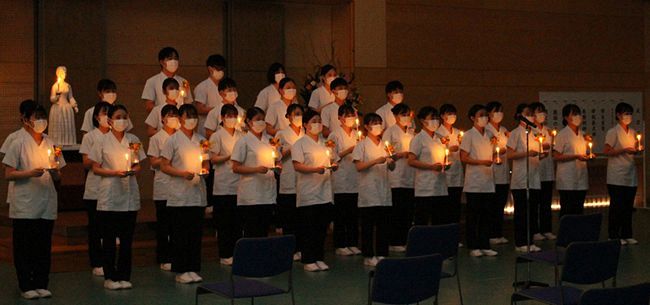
x=154, y=119
x=255, y=189
x=225, y=181
x=429, y=150
x=91, y=188
x=517, y=142
x=213, y=119
x=621, y=169
x=501, y=171
x=153, y=90
x=313, y=188
x=276, y=115
x=206, y=93
x=184, y=154
x=287, y=138
x=455, y=172
x=87, y=124
x=3, y=150
x=346, y=178
x=374, y=187
x=266, y=97
x=571, y=175
x=403, y=175
x=160, y=179
x=35, y=197
x=320, y=97
x=386, y=114
x=116, y=194
x=330, y=116
x=478, y=178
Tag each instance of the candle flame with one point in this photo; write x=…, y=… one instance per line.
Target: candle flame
x=591, y=145
x=273, y=154
x=446, y=151
x=49, y=152
x=498, y=149
x=126, y=156
x=638, y=137
x=554, y=132
x=462, y=133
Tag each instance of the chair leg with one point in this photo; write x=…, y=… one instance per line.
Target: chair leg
x=460, y=292
x=252, y=301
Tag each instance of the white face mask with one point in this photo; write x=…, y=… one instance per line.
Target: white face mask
x=190, y=124
x=576, y=120
x=289, y=93
x=259, y=126
x=349, y=122
x=172, y=94
x=375, y=130
x=216, y=74
x=497, y=117
x=173, y=123
x=231, y=97
x=110, y=97
x=540, y=118
x=405, y=120
x=297, y=121
x=315, y=128
x=482, y=121
x=103, y=121
x=171, y=65
x=626, y=119
x=40, y=126
x=230, y=122
x=450, y=119
x=397, y=98
x=432, y=125
x=330, y=79
x=342, y=94
x=279, y=77
x=120, y=125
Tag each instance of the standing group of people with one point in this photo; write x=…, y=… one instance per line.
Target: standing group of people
x=301, y=168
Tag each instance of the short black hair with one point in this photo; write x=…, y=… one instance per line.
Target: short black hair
x=169, y=81
x=401, y=109
x=537, y=106
x=227, y=83
x=293, y=108
x=285, y=81
x=216, y=61
x=569, y=109
x=339, y=81
x=448, y=108
x=308, y=115
x=227, y=109
x=273, y=69
x=474, y=110
x=105, y=84
x=30, y=107
x=520, y=108
x=394, y=85
x=188, y=109
x=99, y=107
x=114, y=108
x=326, y=68
x=623, y=107
x=426, y=111
x=168, y=109
x=494, y=105
x=346, y=109
x=372, y=118
x=167, y=52
x=252, y=112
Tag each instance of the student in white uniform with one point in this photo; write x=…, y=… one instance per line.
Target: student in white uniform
x=91, y=187
x=427, y=157
x=107, y=92
x=118, y=199
x=394, y=96
x=477, y=153
x=621, y=146
x=33, y=207
x=570, y=153
x=373, y=164
x=525, y=157
x=276, y=115
x=228, y=93
x=499, y=136
x=254, y=159
x=153, y=94
x=547, y=177
x=451, y=137
x=345, y=183
x=399, y=136
x=154, y=119
x=314, y=163
x=330, y=112
x=171, y=123
x=224, y=201
x=323, y=95
x=271, y=93
x=184, y=160
x=206, y=93
x=286, y=137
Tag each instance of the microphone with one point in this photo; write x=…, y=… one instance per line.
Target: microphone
x=522, y=118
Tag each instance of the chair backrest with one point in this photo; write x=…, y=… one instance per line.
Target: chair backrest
x=630, y=295
x=591, y=262
x=263, y=257
x=425, y=240
x=406, y=280
x=578, y=228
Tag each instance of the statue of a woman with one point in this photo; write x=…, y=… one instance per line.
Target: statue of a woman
x=61, y=126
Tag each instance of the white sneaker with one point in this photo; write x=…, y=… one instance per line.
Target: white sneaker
x=534, y=248
x=475, y=253
x=322, y=266
x=297, y=256
x=195, y=277
x=98, y=271
x=44, y=293
x=522, y=249
x=503, y=240
x=538, y=237
x=126, y=285
x=489, y=252
x=226, y=261
x=166, y=267
x=343, y=252
x=550, y=236
x=184, y=278
x=355, y=250
x=631, y=241
x=370, y=261
x=110, y=285
x=495, y=241
x=311, y=267
x=623, y=242
x=30, y=295
x=397, y=249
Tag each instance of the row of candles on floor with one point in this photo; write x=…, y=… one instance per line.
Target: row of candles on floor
x=590, y=203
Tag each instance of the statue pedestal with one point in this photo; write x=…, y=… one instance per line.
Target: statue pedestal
x=73, y=178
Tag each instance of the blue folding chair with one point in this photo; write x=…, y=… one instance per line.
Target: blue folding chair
x=443, y=240
x=256, y=258
x=630, y=295
x=585, y=263
x=405, y=280
x=573, y=228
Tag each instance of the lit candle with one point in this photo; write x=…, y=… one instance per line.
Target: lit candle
x=49, y=158
x=200, y=171
x=359, y=133
x=554, y=134
x=273, y=156
x=329, y=160
x=460, y=136
x=541, y=144
x=128, y=164
x=638, y=141
x=387, y=144
x=590, y=150
x=444, y=162
x=356, y=122
x=498, y=158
